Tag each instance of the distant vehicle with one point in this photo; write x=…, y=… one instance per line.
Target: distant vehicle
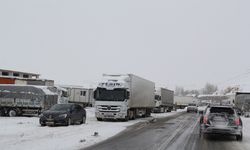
x=202, y=107
x=63, y=114
x=222, y=120
x=192, y=108
x=164, y=100
x=242, y=101
x=182, y=102
x=247, y=114
x=124, y=97
x=17, y=100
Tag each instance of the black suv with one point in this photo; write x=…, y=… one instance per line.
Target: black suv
x=63, y=114
x=221, y=120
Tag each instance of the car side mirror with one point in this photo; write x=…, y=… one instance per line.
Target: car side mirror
x=239, y=113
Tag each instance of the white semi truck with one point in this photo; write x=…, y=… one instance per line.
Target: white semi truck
x=124, y=97
x=164, y=100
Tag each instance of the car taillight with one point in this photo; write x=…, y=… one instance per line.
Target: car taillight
x=205, y=119
x=237, y=121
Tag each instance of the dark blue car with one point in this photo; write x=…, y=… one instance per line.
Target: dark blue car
x=63, y=114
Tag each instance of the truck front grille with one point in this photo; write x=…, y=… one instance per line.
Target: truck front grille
x=109, y=108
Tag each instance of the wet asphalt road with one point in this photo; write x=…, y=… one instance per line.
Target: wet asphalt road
x=178, y=132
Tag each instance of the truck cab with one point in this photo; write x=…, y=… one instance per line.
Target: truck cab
x=111, y=99
x=124, y=97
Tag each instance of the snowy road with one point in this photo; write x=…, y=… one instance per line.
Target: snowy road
x=25, y=133
x=178, y=132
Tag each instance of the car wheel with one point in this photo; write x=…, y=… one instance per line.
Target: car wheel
x=239, y=137
x=12, y=113
x=68, y=122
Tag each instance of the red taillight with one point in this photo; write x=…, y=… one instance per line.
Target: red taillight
x=237, y=121
x=205, y=119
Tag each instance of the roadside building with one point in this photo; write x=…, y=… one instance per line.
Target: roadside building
x=23, y=78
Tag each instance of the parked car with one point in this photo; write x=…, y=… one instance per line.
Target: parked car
x=192, y=108
x=222, y=120
x=63, y=114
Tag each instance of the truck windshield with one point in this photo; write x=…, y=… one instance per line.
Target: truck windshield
x=110, y=95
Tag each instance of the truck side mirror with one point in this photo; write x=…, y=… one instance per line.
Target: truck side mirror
x=95, y=94
x=127, y=95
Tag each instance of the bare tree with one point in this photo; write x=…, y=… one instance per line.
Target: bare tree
x=179, y=91
x=231, y=89
x=209, y=89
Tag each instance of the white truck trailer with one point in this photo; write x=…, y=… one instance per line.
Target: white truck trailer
x=124, y=97
x=182, y=101
x=164, y=100
x=26, y=99
x=80, y=95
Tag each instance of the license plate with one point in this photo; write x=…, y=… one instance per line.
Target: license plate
x=109, y=115
x=50, y=123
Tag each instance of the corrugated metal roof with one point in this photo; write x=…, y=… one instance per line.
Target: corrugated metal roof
x=4, y=70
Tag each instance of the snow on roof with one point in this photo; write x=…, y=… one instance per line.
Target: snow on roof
x=45, y=89
x=77, y=86
x=4, y=70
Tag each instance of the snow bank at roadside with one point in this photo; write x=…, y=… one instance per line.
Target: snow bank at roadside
x=246, y=132
x=25, y=132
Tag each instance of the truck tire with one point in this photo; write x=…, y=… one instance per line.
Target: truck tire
x=126, y=118
x=131, y=114
x=99, y=119
x=12, y=113
x=1, y=112
x=148, y=112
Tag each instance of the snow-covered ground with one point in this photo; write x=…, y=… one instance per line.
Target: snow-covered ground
x=246, y=131
x=25, y=132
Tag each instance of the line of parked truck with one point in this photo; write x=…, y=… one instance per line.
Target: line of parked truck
x=120, y=97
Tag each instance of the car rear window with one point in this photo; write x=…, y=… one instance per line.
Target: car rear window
x=191, y=104
x=222, y=110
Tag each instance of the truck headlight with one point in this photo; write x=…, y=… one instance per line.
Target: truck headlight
x=63, y=115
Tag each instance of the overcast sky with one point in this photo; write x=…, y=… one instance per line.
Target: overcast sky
x=178, y=42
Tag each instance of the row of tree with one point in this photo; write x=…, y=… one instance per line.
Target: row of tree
x=208, y=89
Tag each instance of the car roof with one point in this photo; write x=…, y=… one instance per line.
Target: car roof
x=221, y=106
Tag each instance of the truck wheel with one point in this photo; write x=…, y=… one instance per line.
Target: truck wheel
x=131, y=114
x=12, y=113
x=99, y=119
x=148, y=112
x=1, y=113
x=126, y=118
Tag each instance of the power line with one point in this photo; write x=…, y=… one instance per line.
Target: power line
x=239, y=76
